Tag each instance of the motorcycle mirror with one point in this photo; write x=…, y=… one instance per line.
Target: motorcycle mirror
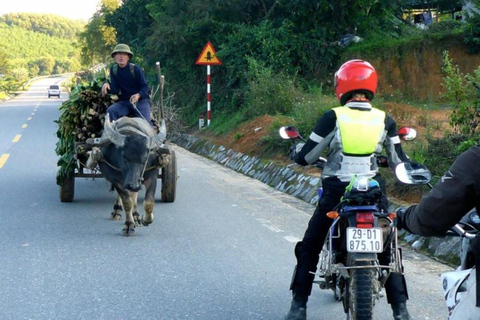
x=413, y=173
x=407, y=134
x=289, y=132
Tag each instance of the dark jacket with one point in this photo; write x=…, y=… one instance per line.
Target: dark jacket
x=125, y=84
x=456, y=193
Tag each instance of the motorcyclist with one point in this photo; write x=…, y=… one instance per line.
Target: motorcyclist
x=354, y=134
x=456, y=193
x=453, y=196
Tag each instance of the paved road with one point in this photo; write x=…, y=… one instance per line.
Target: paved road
x=222, y=250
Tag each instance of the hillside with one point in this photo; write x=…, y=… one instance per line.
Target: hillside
x=49, y=24
x=20, y=44
x=248, y=138
x=38, y=44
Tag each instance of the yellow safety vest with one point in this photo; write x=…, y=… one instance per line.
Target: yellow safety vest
x=360, y=130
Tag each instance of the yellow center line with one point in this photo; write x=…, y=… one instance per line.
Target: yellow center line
x=24, y=126
x=29, y=118
x=17, y=138
x=3, y=159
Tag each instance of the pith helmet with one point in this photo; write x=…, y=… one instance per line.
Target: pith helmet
x=122, y=48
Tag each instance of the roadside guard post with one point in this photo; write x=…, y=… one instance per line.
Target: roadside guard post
x=208, y=57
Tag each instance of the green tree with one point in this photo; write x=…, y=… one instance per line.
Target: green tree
x=132, y=22
x=20, y=74
x=98, y=38
x=46, y=64
x=463, y=92
x=295, y=38
x=3, y=63
x=34, y=70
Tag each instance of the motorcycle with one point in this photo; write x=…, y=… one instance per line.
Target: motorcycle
x=349, y=262
x=459, y=286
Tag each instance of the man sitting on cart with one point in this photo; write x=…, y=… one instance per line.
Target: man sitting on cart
x=128, y=82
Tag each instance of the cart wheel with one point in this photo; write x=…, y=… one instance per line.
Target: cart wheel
x=67, y=189
x=169, y=179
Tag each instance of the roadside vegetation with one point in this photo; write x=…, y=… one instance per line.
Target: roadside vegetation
x=279, y=58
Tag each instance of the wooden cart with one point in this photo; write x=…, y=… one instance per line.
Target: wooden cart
x=77, y=169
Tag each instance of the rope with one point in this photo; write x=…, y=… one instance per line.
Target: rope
x=136, y=109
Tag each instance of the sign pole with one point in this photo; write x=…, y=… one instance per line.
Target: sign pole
x=208, y=57
x=209, y=95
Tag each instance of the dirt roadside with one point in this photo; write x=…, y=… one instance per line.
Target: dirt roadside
x=247, y=137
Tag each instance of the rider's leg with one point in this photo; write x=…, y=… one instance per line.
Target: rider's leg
x=396, y=285
x=396, y=289
x=143, y=106
x=308, y=250
x=119, y=109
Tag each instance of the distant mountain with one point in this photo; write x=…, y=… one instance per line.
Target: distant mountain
x=50, y=24
x=39, y=43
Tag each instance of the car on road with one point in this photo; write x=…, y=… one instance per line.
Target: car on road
x=54, y=90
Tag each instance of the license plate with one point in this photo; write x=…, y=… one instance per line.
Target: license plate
x=364, y=240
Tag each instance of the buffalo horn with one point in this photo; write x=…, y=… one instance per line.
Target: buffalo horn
x=157, y=141
x=117, y=138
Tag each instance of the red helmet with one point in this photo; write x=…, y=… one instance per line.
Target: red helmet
x=355, y=75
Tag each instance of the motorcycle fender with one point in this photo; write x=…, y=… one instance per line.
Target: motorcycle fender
x=355, y=256
x=461, y=297
x=459, y=290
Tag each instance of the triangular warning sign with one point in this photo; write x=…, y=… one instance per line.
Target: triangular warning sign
x=208, y=56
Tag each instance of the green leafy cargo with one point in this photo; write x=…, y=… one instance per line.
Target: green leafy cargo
x=81, y=117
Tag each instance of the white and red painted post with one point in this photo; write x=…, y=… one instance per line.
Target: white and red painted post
x=209, y=95
x=208, y=57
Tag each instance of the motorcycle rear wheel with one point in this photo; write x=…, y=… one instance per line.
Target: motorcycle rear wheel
x=361, y=292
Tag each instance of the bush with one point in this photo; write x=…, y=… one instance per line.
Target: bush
x=446, y=27
x=268, y=92
x=441, y=153
x=463, y=92
x=472, y=34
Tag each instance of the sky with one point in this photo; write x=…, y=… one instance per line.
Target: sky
x=72, y=9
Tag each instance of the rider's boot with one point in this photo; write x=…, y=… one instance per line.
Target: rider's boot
x=400, y=311
x=298, y=309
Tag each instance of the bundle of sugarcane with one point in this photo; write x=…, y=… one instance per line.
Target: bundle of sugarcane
x=81, y=117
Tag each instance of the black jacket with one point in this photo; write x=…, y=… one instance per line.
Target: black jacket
x=456, y=193
x=126, y=84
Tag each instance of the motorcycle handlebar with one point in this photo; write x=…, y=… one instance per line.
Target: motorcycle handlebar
x=458, y=229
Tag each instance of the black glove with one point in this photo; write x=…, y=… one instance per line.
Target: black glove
x=398, y=221
x=292, y=152
x=296, y=149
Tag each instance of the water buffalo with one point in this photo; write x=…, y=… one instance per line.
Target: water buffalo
x=132, y=158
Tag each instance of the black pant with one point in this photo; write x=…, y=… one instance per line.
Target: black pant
x=307, y=251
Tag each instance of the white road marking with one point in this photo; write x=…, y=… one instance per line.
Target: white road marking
x=267, y=224
x=292, y=239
